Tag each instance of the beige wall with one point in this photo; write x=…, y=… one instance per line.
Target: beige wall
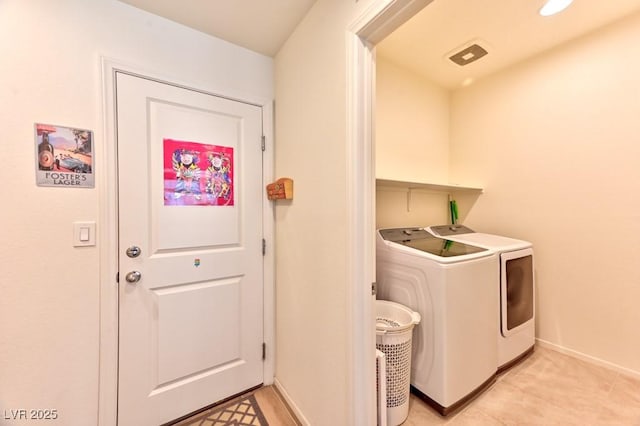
x=412, y=129
x=555, y=142
x=396, y=208
x=50, y=72
x=412, y=144
x=412, y=126
x=313, y=311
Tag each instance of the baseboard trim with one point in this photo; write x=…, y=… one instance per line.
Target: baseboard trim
x=291, y=406
x=589, y=358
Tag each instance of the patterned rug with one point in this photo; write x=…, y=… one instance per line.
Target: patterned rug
x=239, y=412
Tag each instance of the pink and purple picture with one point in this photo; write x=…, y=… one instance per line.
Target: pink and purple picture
x=196, y=174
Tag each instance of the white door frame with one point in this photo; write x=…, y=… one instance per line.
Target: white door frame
x=108, y=235
x=379, y=20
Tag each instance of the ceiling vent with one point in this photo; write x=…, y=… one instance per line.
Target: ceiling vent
x=468, y=55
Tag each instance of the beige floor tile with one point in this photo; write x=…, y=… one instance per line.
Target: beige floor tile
x=578, y=387
x=548, y=388
x=510, y=405
x=546, y=364
x=473, y=416
x=622, y=407
x=421, y=414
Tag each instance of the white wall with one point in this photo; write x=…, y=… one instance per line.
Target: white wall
x=554, y=141
x=50, y=72
x=312, y=288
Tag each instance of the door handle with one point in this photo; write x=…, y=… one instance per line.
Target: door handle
x=133, y=251
x=133, y=277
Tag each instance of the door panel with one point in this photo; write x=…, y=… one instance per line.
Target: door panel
x=185, y=348
x=191, y=123
x=190, y=197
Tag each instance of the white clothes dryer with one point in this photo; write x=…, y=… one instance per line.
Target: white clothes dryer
x=516, y=334
x=450, y=284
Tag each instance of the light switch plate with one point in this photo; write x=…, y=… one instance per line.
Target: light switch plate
x=84, y=234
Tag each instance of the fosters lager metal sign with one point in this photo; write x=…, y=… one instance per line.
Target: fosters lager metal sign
x=64, y=156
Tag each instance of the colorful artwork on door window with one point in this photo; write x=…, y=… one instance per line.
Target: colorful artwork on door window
x=197, y=174
x=64, y=156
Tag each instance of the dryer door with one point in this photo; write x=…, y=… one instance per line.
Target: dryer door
x=517, y=300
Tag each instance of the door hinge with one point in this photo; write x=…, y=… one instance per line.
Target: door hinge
x=117, y=277
x=374, y=288
x=264, y=246
x=264, y=143
x=264, y=351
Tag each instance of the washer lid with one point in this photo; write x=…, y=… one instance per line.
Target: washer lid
x=420, y=239
x=489, y=241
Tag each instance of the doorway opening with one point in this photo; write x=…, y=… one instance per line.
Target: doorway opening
x=373, y=25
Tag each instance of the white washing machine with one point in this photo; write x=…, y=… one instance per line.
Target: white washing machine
x=516, y=334
x=451, y=285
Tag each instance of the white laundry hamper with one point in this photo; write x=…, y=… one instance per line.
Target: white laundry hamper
x=394, y=328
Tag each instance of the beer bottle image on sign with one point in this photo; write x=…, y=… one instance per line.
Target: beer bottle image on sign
x=46, y=157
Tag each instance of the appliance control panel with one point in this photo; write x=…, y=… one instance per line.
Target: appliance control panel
x=404, y=234
x=445, y=230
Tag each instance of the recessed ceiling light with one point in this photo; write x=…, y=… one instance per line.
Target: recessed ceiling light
x=467, y=82
x=552, y=7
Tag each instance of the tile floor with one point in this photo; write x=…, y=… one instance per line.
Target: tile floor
x=548, y=388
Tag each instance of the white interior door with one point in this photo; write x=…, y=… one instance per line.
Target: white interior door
x=190, y=199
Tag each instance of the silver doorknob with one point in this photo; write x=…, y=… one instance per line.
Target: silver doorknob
x=133, y=277
x=133, y=251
